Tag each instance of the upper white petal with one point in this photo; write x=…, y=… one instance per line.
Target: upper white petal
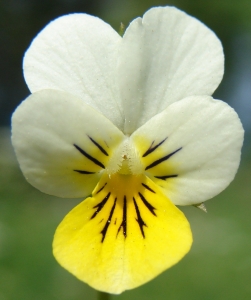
x=207, y=136
x=48, y=129
x=165, y=57
x=77, y=53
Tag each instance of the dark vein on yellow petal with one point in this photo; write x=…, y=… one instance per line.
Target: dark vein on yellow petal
x=139, y=218
x=166, y=176
x=99, y=146
x=148, y=188
x=160, y=160
x=108, y=222
x=150, y=149
x=89, y=156
x=123, y=223
x=100, y=205
x=84, y=172
x=147, y=204
x=101, y=188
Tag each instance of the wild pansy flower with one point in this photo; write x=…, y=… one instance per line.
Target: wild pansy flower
x=129, y=120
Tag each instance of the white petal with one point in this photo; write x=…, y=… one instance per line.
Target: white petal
x=49, y=130
x=203, y=137
x=77, y=53
x=165, y=57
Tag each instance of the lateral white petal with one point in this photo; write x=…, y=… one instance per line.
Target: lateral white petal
x=195, y=147
x=165, y=57
x=61, y=143
x=77, y=53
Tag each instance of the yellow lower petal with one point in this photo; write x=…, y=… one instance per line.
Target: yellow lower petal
x=127, y=233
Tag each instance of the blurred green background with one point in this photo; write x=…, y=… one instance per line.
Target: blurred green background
x=219, y=264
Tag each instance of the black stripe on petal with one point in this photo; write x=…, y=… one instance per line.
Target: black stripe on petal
x=100, y=205
x=151, y=149
x=147, y=204
x=148, y=188
x=123, y=224
x=160, y=160
x=166, y=176
x=108, y=222
x=91, y=158
x=98, y=145
x=101, y=188
x=139, y=218
x=84, y=172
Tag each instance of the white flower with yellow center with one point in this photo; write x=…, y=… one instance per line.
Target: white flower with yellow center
x=130, y=121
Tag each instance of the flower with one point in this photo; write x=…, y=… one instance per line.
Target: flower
x=131, y=121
